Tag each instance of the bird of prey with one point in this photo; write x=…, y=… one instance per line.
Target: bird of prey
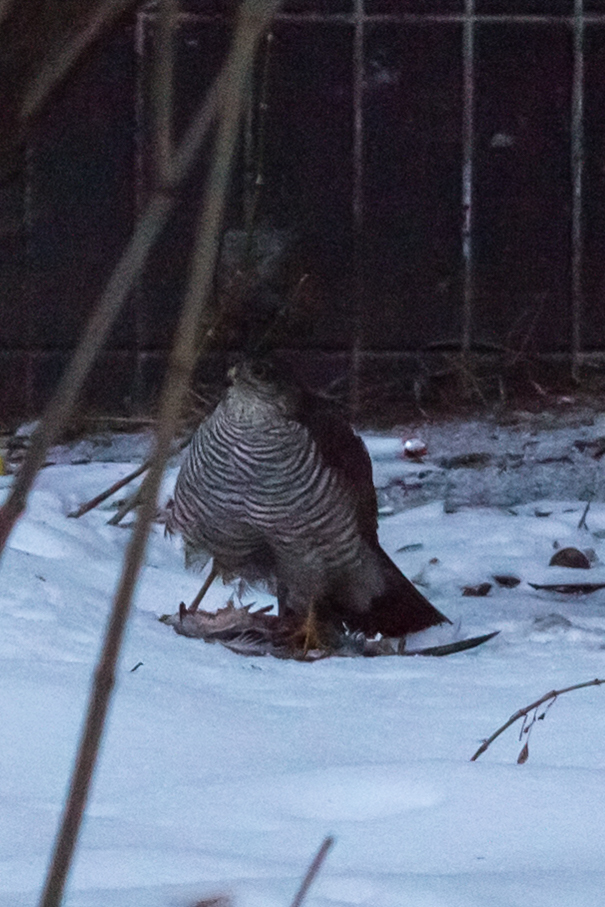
x=277, y=488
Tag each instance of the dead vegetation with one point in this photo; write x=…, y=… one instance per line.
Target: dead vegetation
x=547, y=700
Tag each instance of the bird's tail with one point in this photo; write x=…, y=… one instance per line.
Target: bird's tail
x=400, y=608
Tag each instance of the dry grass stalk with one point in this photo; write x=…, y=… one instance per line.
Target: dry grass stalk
x=94, y=502
x=253, y=18
x=131, y=264
x=315, y=866
x=223, y=900
x=58, y=65
x=125, y=508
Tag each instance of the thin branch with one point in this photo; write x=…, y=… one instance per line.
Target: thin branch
x=534, y=705
x=117, y=486
x=316, y=864
x=186, y=153
x=129, y=504
x=131, y=264
x=582, y=523
x=57, y=66
x=94, y=502
x=206, y=585
x=58, y=411
x=253, y=17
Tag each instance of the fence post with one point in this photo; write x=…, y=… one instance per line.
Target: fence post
x=577, y=167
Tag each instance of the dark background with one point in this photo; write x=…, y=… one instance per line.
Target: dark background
x=389, y=279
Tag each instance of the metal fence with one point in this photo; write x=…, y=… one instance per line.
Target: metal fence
x=435, y=167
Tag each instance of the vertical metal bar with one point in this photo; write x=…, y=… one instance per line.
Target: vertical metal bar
x=163, y=90
x=357, y=211
x=248, y=143
x=141, y=196
x=31, y=292
x=468, y=141
x=258, y=150
x=577, y=167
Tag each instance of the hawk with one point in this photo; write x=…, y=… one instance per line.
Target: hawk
x=277, y=488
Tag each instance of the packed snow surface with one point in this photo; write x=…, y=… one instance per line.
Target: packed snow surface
x=221, y=774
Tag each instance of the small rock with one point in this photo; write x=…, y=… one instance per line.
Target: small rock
x=570, y=557
x=477, y=591
x=507, y=580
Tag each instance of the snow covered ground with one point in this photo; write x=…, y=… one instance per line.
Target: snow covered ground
x=221, y=774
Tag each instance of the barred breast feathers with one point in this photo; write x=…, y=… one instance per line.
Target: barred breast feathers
x=277, y=488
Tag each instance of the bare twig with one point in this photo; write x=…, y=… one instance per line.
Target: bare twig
x=316, y=864
x=519, y=351
x=582, y=523
x=58, y=64
x=254, y=16
x=121, y=282
x=522, y=713
x=94, y=502
x=206, y=585
x=129, y=504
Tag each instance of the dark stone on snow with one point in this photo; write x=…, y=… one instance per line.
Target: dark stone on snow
x=506, y=580
x=570, y=557
x=477, y=591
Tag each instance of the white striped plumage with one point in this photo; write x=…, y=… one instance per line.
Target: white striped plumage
x=279, y=492
x=255, y=487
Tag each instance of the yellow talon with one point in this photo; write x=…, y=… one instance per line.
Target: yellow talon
x=311, y=631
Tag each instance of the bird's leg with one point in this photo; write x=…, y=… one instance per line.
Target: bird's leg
x=282, y=599
x=311, y=631
x=207, y=583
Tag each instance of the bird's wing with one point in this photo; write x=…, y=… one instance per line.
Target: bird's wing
x=342, y=449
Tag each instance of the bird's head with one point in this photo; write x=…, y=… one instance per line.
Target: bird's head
x=266, y=380
x=255, y=372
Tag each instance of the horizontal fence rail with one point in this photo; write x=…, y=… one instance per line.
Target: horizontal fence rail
x=417, y=202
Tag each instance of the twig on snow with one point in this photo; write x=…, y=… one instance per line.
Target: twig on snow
x=523, y=713
x=315, y=866
x=98, y=499
x=94, y=502
x=582, y=523
x=129, y=504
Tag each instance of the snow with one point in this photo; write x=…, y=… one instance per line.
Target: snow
x=223, y=774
